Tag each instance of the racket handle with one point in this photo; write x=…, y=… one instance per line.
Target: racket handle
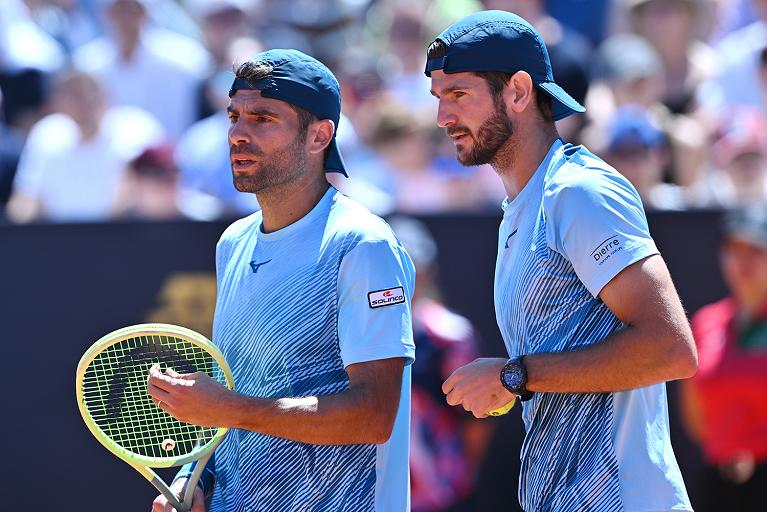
x=191, y=483
x=503, y=410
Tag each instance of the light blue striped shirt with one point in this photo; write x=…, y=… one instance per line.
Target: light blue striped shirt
x=574, y=226
x=295, y=307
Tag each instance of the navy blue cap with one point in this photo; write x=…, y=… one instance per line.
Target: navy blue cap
x=502, y=41
x=632, y=127
x=305, y=82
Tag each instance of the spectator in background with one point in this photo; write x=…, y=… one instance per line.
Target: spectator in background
x=72, y=23
x=11, y=144
x=741, y=79
x=407, y=154
x=724, y=405
x=222, y=22
x=73, y=160
x=739, y=152
x=404, y=77
x=630, y=71
x=321, y=28
x=150, y=187
x=446, y=444
x=150, y=68
x=674, y=29
x=28, y=58
x=636, y=146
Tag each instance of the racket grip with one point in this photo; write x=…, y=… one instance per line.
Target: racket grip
x=503, y=410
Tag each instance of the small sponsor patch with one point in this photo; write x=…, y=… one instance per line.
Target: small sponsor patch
x=386, y=297
x=606, y=249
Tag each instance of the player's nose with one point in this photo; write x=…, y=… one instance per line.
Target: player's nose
x=445, y=116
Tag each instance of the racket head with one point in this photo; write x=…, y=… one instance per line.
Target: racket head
x=111, y=382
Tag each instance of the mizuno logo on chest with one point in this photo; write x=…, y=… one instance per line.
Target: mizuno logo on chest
x=256, y=265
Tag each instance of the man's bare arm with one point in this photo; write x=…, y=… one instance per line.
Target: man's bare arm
x=655, y=346
x=364, y=413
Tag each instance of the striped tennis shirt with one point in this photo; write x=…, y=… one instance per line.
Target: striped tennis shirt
x=295, y=307
x=574, y=226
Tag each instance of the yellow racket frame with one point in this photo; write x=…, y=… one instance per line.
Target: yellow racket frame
x=140, y=463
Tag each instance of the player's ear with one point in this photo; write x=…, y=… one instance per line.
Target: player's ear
x=518, y=93
x=320, y=135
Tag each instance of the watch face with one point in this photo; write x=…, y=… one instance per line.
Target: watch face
x=513, y=377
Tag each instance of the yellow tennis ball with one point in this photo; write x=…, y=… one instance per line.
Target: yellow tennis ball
x=168, y=444
x=503, y=410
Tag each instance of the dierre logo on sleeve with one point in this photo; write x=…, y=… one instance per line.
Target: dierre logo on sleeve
x=387, y=297
x=606, y=249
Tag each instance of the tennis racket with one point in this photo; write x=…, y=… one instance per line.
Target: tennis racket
x=111, y=387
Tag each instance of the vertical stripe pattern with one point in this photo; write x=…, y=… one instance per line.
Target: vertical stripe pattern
x=567, y=461
x=278, y=328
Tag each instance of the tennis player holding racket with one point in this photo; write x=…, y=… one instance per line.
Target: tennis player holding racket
x=585, y=304
x=313, y=316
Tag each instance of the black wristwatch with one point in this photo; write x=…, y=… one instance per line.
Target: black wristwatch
x=514, y=378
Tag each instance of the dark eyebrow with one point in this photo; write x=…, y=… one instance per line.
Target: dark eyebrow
x=254, y=112
x=263, y=112
x=448, y=90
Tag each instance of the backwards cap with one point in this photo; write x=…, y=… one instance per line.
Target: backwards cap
x=305, y=82
x=502, y=41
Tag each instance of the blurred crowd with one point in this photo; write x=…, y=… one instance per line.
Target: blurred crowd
x=114, y=109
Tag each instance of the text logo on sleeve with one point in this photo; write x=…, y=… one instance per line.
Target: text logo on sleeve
x=386, y=297
x=606, y=249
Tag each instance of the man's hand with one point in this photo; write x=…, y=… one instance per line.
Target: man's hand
x=193, y=398
x=160, y=503
x=477, y=387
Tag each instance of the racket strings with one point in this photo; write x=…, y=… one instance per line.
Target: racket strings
x=114, y=393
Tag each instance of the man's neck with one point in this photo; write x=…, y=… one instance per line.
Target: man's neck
x=519, y=159
x=285, y=204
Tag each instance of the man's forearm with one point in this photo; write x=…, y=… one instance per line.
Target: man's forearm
x=627, y=359
x=349, y=417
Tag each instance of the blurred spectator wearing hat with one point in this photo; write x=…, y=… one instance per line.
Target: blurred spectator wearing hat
x=629, y=71
x=149, y=188
x=636, y=146
x=145, y=66
x=739, y=154
x=446, y=443
x=73, y=160
x=724, y=405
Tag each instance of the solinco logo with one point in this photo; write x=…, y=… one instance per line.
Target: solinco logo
x=606, y=249
x=386, y=297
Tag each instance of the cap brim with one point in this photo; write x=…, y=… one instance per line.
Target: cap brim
x=562, y=104
x=333, y=161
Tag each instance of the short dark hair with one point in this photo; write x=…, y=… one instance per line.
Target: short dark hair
x=254, y=70
x=496, y=80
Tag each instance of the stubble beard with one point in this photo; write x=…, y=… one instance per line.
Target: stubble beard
x=282, y=166
x=493, y=140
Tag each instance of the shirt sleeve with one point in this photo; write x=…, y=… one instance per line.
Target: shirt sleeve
x=597, y=222
x=375, y=289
